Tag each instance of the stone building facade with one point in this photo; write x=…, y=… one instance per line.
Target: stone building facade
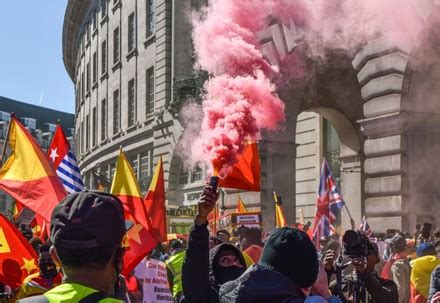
x=373, y=114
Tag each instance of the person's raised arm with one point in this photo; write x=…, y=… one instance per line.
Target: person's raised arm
x=195, y=271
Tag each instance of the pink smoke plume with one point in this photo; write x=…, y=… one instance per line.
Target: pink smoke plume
x=241, y=99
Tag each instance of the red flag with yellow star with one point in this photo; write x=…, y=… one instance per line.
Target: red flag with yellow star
x=17, y=257
x=138, y=243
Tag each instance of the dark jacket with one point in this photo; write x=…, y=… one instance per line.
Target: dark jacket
x=378, y=289
x=198, y=278
x=260, y=284
x=435, y=283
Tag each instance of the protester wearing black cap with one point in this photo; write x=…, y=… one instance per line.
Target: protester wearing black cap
x=288, y=263
x=87, y=229
x=397, y=267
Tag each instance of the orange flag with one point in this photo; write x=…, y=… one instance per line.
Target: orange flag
x=27, y=174
x=241, y=208
x=155, y=204
x=126, y=187
x=280, y=218
x=245, y=174
x=17, y=257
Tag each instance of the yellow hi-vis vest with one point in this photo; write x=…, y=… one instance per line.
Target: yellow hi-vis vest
x=174, y=265
x=73, y=292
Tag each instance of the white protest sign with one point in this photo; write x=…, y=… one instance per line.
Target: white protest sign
x=153, y=276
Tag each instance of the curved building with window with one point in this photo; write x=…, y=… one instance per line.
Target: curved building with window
x=131, y=65
x=370, y=114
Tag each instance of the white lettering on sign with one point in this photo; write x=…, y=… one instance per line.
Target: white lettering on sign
x=153, y=274
x=248, y=219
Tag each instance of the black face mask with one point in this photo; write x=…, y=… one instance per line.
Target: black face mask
x=48, y=270
x=226, y=274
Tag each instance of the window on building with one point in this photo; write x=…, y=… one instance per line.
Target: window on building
x=145, y=171
x=4, y=116
x=82, y=85
x=88, y=32
x=183, y=175
x=112, y=169
x=95, y=126
x=87, y=132
x=131, y=103
x=104, y=57
x=88, y=76
x=131, y=33
x=94, y=24
x=150, y=90
x=82, y=137
x=103, y=8
x=134, y=161
x=116, y=46
x=30, y=123
x=197, y=174
x=103, y=119
x=150, y=17
x=51, y=127
x=116, y=112
x=95, y=67
x=332, y=149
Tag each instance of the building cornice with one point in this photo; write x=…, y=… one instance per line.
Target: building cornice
x=76, y=11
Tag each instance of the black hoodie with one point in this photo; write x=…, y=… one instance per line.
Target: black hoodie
x=200, y=274
x=261, y=285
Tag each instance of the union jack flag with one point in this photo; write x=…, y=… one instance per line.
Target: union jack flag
x=365, y=227
x=328, y=204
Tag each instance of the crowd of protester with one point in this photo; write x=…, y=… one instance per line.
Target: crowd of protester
x=82, y=262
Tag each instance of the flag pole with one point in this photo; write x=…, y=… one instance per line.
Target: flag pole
x=5, y=145
x=352, y=223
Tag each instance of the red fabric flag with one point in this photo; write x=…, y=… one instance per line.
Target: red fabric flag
x=38, y=188
x=155, y=205
x=245, y=174
x=139, y=242
x=58, y=148
x=17, y=257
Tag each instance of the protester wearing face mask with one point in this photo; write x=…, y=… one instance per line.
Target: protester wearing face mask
x=47, y=278
x=289, y=263
x=204, y=269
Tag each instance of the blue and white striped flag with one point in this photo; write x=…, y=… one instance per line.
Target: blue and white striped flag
x=64, y=162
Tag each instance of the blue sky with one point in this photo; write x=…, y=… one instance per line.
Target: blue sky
x=31, y=59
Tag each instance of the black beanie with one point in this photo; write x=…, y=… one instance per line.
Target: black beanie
x=290, y=252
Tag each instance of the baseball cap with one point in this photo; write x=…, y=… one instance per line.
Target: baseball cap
x=398, y=241
x=98, y=215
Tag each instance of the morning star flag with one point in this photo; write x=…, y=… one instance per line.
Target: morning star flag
x=27, y=174
x=365, y=227
x=328, y=204
x=126, y=187
x=64, y=162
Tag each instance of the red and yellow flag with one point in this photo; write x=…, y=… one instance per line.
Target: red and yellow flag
x=126, y=187
x=241, y=208
x=27, y=174
x=155, y=204
x=138, y=243
x=245, y=174
x=17, y=257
